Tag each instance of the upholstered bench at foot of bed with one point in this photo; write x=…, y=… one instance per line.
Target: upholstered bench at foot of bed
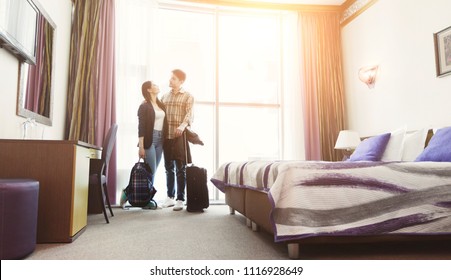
x=18, y=217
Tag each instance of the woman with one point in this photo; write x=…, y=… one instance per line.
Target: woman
x=151, y=128
x=152, y=122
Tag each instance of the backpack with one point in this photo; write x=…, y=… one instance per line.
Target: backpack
x=140, y=190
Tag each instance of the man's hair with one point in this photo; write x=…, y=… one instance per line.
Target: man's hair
x=179, y=74
x=146, y=85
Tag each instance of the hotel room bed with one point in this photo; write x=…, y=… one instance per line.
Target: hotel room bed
x=303, y=201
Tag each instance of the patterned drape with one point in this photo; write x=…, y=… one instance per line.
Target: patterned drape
x=80, y=119
x=91, y=91
x=322, y=76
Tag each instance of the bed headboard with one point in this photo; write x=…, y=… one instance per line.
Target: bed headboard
x=428, y=137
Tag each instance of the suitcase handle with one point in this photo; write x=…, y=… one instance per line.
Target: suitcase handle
x=186, y=149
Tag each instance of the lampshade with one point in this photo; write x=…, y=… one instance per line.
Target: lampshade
x=368, y=75
x=347, y=140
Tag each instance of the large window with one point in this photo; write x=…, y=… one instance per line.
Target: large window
x=248, y=86
x=235, y=62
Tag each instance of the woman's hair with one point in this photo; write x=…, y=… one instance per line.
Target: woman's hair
x=146, y=85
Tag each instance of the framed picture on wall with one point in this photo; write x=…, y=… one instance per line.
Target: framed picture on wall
x=442, y=43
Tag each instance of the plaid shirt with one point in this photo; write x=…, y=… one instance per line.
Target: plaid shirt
x=179, y=110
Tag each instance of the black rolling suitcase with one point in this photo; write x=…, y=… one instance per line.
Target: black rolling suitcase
x=196, y=187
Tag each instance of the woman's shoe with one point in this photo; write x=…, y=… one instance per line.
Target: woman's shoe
x=123, y=200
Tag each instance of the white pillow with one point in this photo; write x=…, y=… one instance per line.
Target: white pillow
x=414, y=144
x=394, y=149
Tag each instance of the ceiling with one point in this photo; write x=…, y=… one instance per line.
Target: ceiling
x=303, y=2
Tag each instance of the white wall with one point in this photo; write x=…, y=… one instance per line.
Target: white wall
x=60, y=11
x=397, y=35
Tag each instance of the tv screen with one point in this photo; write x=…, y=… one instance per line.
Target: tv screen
x=18, y=21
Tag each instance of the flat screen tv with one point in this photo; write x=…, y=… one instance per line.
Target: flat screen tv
x=18, y=21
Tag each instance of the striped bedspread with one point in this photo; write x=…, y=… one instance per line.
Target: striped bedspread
x=313, y=198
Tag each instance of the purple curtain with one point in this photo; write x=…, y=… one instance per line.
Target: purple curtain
x=34, y=83
x=106, y=97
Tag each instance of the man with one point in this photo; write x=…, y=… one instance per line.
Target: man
x=179, y=115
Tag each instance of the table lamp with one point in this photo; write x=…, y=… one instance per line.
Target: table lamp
x=347, y=141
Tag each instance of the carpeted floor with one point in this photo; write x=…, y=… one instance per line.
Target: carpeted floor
x=165, y=234
x=138, y=234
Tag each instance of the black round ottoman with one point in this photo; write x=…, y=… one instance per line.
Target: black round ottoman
x=18, y=217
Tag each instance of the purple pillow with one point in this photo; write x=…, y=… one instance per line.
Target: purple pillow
x=371, y=149
x=439, y=147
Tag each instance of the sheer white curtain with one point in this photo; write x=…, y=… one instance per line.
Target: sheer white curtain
x=135, y=22
x=153, y=38
x=293, y=147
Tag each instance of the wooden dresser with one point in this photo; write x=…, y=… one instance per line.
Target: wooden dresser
x=62, y=169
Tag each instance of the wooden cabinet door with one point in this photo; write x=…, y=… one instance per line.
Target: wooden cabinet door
x=80, y=189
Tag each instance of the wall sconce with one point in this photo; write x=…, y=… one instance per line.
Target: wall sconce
x=368, y=75
x=347, y=141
